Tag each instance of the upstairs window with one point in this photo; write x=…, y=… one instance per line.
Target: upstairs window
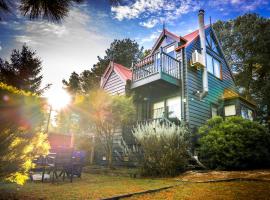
x=213, y=66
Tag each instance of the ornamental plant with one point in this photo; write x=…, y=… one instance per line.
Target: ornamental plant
x=164, y=148
x=234, y=143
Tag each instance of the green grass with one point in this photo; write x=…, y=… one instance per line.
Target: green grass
x=88, y=187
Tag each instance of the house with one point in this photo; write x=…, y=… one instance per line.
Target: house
x=185, y=78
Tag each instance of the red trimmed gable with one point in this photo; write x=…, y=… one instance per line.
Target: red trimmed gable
x=124, y=72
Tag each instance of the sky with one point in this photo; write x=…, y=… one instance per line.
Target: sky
x=88, y=30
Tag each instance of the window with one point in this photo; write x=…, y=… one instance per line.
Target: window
x=213, y=66
x=246, y=113
x=158, y=110
x=214, y=110
x=209, y=63
x=230, y=110
x=174, y=107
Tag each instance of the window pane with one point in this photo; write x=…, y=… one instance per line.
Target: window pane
x=209, y=63
x=216, y=68
x=230, y=110
x=158, y=109
x=214, y=111
x=174, y=107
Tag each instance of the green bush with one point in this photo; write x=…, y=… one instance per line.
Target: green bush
x=21, y=120
x=164, y=148
x=234, y=143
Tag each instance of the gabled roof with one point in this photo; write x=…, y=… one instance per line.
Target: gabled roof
x=191, y=37
x=164, y=33
x=123, y=72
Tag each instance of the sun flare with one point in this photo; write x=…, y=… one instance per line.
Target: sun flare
x=58, y=98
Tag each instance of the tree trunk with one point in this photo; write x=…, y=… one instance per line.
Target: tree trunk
x=110, y=164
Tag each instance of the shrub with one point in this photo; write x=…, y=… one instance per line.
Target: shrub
x=234, y=143
x=20, y=137
x=164, y=148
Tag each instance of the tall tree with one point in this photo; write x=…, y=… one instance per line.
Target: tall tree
x=73, y=84
x=246, y=44
x=23, y=71
x=51, y=10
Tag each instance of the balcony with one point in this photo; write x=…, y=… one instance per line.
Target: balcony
x=159, y=67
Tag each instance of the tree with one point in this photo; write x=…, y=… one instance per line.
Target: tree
x=51, y=10
x=73, y=84
x=234, y=143
x=21, y=139
x=246, y=44
x=23, y=71
x=123, y=52
x=107, y=114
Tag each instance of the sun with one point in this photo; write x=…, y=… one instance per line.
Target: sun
x=58, y=98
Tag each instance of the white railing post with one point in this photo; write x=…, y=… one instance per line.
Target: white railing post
x=160, y=59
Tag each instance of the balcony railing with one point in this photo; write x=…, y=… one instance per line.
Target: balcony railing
x=154, y=64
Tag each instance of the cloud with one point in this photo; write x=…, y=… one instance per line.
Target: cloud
x=1, y=48
x=149, y=38
x=63, y=48
x=150, y=23
x=153, y=11
x=242, y=5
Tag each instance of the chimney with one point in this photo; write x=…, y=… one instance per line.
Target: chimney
x=203, y=52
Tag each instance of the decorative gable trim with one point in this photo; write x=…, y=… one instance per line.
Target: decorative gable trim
x=121, y=71
x=163, y=34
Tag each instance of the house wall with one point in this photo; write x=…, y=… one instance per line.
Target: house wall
x=199, y=111
x=115, y=85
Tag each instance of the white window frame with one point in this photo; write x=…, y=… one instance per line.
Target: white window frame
x=230, y=112
x=215, y=66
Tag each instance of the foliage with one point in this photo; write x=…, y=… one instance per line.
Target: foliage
x=51, y=10
x=234, y=143
x=107, y=114
x=19, y=108
x=165, y=148
x=18, y=148
x=246, y=44
x=85, y=143
x=23, y=71
x=20, y=138
x=123, y=52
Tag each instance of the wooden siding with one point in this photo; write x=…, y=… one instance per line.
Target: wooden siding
x=199, y=111
x=115, y=85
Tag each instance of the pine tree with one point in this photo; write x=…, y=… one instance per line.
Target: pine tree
x=23, y=71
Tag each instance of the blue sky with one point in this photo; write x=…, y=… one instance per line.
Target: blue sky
x=89, y=29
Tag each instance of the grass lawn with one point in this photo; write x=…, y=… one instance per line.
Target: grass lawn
x=96, y=186
x=90, y=186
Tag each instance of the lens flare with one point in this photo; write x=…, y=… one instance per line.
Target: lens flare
x=58, y=98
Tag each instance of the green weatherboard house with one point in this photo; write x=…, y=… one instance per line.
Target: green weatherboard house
x=185, y=78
